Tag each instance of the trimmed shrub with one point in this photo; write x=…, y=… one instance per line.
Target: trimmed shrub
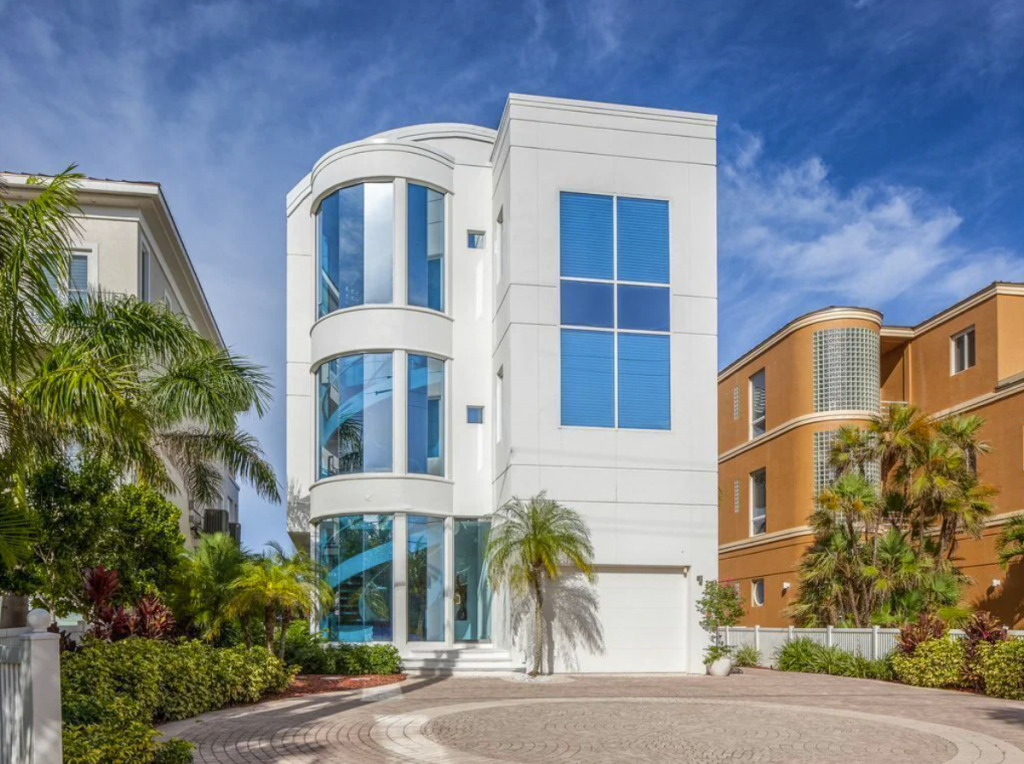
x=113, y=692
x=313, y=655
x=747, y=656
x=174, y=751
x=1001, y=666
x=934, y=663
x=982, y=629
x=809, y=657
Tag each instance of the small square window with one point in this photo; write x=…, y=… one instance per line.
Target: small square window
x=475, y=239
x=757, y=592
x=475, y=414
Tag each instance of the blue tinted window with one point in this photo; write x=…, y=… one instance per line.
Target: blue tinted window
x=356, y=246
x=643, y=240
x=644, y=390
x=644, y=308
x=588, y=379
x=475, y=414
x=472, y=590
x=425, y=565
x=585, y=303
x=354, y=414
x=356, y=554
x=475, y=240
x=586, y=236
x=425, y=219
x=426, y=415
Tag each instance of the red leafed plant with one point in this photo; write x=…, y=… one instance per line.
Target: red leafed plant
x=149, y=618
x=924, y=628
x=983, y=628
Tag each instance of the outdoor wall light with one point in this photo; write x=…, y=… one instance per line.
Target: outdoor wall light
x=996, y=583
x=785, y=586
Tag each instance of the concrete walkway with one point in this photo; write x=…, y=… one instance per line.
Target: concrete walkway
x=757, y=716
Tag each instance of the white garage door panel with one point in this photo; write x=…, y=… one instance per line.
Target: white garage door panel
x=643, y=616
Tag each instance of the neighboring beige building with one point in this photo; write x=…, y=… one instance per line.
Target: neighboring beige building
x=128, y=243
x=780, y=403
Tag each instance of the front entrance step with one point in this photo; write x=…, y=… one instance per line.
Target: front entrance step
x=460, y=660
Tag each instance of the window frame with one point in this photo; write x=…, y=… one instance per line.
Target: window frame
x=614, y=330
x=763, y=419
x=474, y=408
x=446, y=234
x=470, y=232
x=763, y=472
x=753, y=592
x=970, y=337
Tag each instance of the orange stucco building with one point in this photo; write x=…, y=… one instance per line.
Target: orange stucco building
x=780, y=404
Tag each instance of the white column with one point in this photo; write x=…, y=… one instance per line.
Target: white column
x=40, y=681
x=401, y=289
x=400, y=593
x=400, y=402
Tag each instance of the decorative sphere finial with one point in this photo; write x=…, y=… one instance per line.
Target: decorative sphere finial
x=39, y=619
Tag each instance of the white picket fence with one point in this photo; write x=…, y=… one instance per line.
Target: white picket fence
x=30, y=731
x=871, y=643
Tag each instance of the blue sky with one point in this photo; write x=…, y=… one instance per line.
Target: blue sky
x=871, y=152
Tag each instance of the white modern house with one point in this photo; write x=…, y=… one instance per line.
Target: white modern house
x=128, y=243
x=477, y=314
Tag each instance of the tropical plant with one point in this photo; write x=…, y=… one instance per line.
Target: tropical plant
x=913, y=634
x=1011, y=541
x=719, y=606
x=981, y=630
x=529, y=543
x=113, y=376
x=109, y=621
x=279, y=586
x=747, y=656
x=203, y=592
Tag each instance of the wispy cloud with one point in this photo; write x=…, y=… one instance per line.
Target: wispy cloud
x=791, y=240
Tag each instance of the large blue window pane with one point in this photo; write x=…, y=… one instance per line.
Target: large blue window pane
x=426, y=579
x=644, y=308
x=585, y=235
x=426, y=415
x=356, y=234
x=643, y=240
x=425, y=219
x=585, y=303
x=354, y=407
x=588, y=378
x=644, y=389
x=472, y=592
x=356, y=553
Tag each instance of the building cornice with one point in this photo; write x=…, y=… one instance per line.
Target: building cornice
x=766, y=538
x=1006, y=388
x=801, y=322
x=993, y=289
x=792, y=424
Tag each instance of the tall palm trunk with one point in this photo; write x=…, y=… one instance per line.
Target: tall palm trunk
x=269, y=616
x=538, y=625
x=286, y=619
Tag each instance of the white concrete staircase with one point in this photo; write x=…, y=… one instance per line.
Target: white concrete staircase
x=460, y=660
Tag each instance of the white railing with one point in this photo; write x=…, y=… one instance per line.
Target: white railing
x=30, y=694
x=873, y=642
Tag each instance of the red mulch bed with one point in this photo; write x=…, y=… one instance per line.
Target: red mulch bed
x=311, y=684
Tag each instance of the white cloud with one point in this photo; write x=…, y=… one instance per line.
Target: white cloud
x=791, y=240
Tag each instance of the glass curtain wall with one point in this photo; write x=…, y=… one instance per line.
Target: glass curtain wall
x=472, y=592
x=426, y=247
x=354, y=411
x=426, y=415
x=356, y=241
x=426, y=579
x=356, y=553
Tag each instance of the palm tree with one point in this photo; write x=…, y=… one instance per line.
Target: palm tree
x=898, y=432
x=528, y=544
x=852, y=450
x=1011, y=541
x=205, y=579
x=113, y=375
x=279, y=585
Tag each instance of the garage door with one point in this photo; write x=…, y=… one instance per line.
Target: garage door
x=642, y=612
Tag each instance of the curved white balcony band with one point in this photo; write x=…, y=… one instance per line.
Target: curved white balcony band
x=384, y=159
x=376, y=494
x=382, y=328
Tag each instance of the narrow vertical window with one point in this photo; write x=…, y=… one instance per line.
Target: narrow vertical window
x=354, y=423
x=758, y=503
x=144, y=267
x=426, y=247
x=426, y=415
x=78, y=278
x=426, y=579
x=963, y=350
x=757, y=592
x=499, y=243
x=758, y=405
x=499, y=408
x=472, y=591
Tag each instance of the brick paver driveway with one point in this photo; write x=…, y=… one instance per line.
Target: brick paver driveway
x=759, y=716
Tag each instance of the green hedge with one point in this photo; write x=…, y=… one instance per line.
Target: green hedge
x=1002, y=669
x=112, y=694
x=809, y=657
x=314, y=656
x=934, y=663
